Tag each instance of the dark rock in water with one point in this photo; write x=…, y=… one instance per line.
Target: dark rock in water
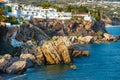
x=77, y=51
x=85, y=53
x=1, y=78
x=73, y=67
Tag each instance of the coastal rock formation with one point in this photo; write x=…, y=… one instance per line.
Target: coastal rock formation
x=5, y=47
x=29, y=58
x=69, y=27
x=56, y=51
x=40, y=59
x=115, y=21
x=73, y=67
x=16, y=67
x=29, y=32
x=84, y=40
x=1, y=78
x=6, y=61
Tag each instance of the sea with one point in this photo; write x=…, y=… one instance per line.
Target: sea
x=102, y=64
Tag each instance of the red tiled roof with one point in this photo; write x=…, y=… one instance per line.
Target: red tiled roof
x=2, y=0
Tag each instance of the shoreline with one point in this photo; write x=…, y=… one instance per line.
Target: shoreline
x=108, y=26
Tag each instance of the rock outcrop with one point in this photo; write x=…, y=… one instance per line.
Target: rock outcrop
x=29, y=32
x=5, y=47
x=57, y=51
x=16, y=67
x=69, y=27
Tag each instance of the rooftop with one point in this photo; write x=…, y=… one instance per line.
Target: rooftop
x=1, y=1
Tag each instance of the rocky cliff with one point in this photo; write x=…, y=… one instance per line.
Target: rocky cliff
x=110, y=21
x=5, y=46
x=40, y=49
x=69, y=27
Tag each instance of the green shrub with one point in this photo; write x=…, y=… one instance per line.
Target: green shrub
x=9, y=9
x=12, y=20
x=2, y=12
x=2, y=18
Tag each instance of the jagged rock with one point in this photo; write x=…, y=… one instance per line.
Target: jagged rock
x=29, y=58
x=107, y=36
x=56, y=51
x=85, y=53
x=50, y=53
x=64, y=52
x=86, y=39
x=73, y=67
x=7, y=56
x=77, y=51
x=17, y=67
x=70, y=27
x=6, y=61
x=40, y=60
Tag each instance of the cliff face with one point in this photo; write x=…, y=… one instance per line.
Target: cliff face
x=29, y=32
x=5, y=47
x=115, y=21
x=110, y=21
x=69, y=27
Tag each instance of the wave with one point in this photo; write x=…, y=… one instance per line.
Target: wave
x=16, y=77
x=113, y=26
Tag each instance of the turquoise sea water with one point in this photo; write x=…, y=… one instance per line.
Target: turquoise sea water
x=102, y=64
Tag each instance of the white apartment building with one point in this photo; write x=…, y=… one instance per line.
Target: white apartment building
x=28, y=12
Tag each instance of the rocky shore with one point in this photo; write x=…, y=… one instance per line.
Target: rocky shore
x=51, y=42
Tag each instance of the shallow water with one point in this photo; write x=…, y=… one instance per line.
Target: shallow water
x=103, y=64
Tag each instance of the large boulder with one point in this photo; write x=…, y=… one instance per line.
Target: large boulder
x=29, y=58
x=57, y=50
x=77, y=50
x=85, y=53
x=107, y=36
x=5, y=62
x=86, y=39
x=16, y=67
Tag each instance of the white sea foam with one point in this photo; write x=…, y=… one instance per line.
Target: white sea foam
x=113, y=26
x=19, y=76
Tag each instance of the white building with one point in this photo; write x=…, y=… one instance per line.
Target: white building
x=28, y=12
